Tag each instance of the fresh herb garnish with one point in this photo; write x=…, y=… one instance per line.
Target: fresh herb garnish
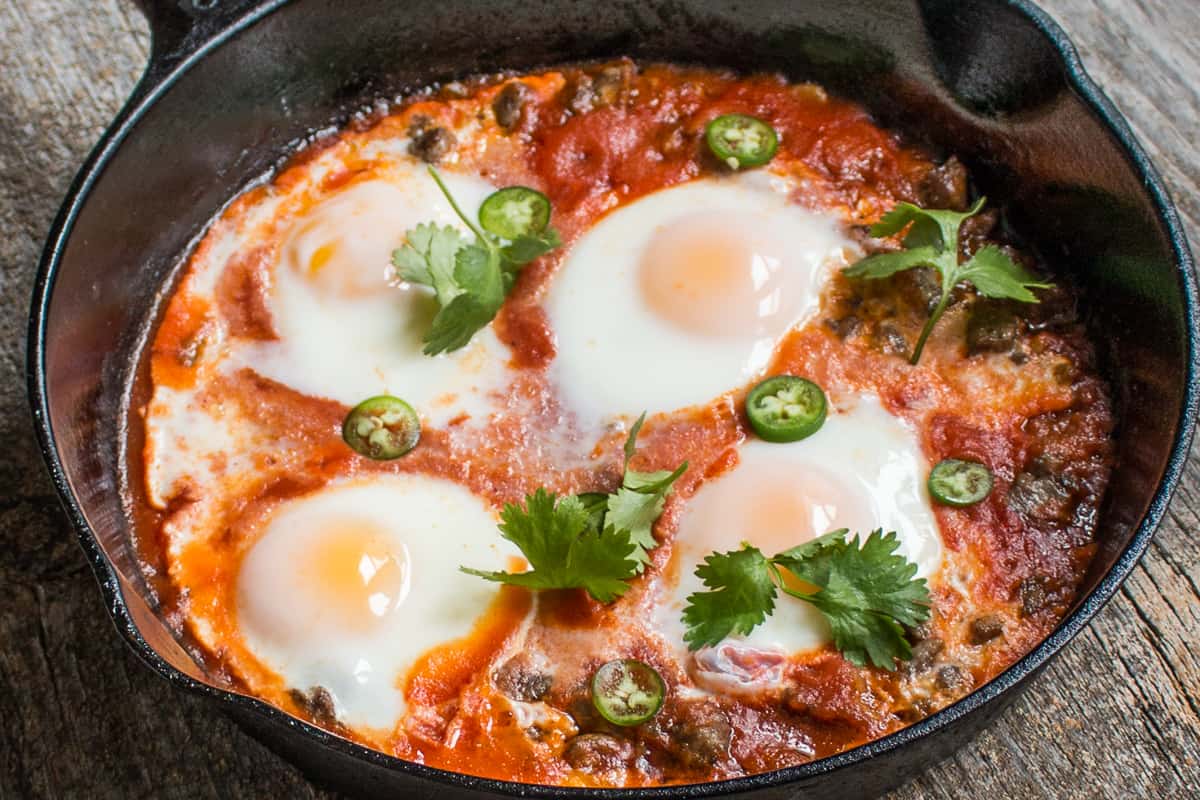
x=866, y=592
x=592, y=541
x=469, y=278
x=932, y=241
x=564, y=549
x=640, y=499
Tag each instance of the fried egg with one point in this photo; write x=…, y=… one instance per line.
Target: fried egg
x=345, y=330
x=862, y=470
x=681, y=296
x=346, y=587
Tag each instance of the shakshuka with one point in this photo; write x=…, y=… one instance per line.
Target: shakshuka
x=616, y=425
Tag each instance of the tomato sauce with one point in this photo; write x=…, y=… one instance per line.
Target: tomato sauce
x=595, y=138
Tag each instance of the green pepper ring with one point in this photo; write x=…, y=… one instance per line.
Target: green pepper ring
x=740, y=140
x=382, y=428
x=515, y=211
x=627, y=692
x=786, y=408
x=959, y=483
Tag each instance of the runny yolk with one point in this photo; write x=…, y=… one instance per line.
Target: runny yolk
x=357, y=572
x=721, y=274
x=772, y=506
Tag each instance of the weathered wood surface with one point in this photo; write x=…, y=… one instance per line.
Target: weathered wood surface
x=1117, y=716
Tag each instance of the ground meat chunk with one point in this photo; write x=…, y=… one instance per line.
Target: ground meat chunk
x=429, y=142
x=992, y=328
x=702, y=741
x=892, y=341
x=1041, y=496
x=519, y=680
x=509, y=105
x=318, y=704
x=1033, y=595
x=953, y=678
x=986, y=628
x=598, y=753
x=975, y=231
x=924, y=653
x=945, y=186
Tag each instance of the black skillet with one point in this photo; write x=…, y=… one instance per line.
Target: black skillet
x=234, y=86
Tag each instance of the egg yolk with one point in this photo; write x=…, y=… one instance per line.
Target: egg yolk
x=340, y=574
x=357, y=573
x=342, y=246
x=773, y=506
x=721, y=274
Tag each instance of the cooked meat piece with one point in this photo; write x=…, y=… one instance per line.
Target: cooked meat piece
x=892, y=341
x=953, y=678
x=701, y=741
x=945, y=186
x=598, y=753
x=318, y=704
x=986, y=628
x=429, y=142
x=975, y=231
x=612, y=81
x=924, y=653
x=579, y=95
x=1033, y=595
x=845, y=326
x=992, y=328
x=520, y=680
x=1041, y=496
x=509, y=105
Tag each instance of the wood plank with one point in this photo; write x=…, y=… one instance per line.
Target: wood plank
x=1117, y=716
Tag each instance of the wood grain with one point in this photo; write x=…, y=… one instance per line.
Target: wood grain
x=1117, y=716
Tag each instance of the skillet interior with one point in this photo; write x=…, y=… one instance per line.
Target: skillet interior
x=978, y=77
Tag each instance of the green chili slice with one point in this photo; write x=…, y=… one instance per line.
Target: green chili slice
x=740, y=140
x=382, y=428
x=955, y=482
x=786, y=408
x=514, y=212
x=627, y=692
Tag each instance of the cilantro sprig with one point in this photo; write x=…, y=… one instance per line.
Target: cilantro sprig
x=640, y=499
x=932, y=241
x=470, y=279
x=865, y=591
x=593, y=541
x=564, y=548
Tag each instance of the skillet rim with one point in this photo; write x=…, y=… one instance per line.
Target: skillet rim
x=155, y=82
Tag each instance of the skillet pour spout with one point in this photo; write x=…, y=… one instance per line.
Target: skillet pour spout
x=233, y=87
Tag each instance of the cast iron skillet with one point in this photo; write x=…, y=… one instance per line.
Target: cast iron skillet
x=233, y=86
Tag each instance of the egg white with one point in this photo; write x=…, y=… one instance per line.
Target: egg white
x=618, y=356
x=422, y=529
x=862, y=470
x=346, y=330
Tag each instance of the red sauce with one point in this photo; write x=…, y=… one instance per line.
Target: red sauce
x=594, y=139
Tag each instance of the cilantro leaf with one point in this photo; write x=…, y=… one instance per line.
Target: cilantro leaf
x=741, y=596
x=523, y=249
x=867, y=593
x=469, y=279
x=564, y=549
x=881, y=265
x=428, y=258
x=456, y=323
x=931, y=240
x=593, y=541
x=995, y=274
x=640, y=500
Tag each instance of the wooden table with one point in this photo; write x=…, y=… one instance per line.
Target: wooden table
x=1116, y=716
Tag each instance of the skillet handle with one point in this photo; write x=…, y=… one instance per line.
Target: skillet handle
x=180, y=27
